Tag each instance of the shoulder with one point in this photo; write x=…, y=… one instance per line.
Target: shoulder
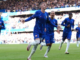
x=1, y=20
x=76, y=27
x=66, y=18
x=55, y=19
x=38, y=11
x=73, y=19
x=46, y=12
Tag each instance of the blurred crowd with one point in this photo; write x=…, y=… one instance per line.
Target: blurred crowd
x=14, y=22
x=21, y=38
x=25, y=5
x=11, y=38
x=25, y=38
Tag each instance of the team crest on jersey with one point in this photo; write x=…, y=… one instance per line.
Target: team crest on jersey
x=40, y=16
x=47, y=40
x=53, y=22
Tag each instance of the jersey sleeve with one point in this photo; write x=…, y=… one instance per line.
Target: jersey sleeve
x=47, y=21
x=73, y=24
x=64, y=23
x=3, y=26
x=54, y=24
x=32, y=17
x=77, y=28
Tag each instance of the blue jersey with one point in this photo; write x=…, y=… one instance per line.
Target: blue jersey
x=67, y=22
x=41, y=19
x=2, y=24
x=78, y=32
x=50, y=25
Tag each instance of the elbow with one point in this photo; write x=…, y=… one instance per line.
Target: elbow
x=62, y=24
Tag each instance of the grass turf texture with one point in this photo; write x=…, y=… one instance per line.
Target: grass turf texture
x=18, y=52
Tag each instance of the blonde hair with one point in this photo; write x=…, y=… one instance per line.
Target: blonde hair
x=42, y=3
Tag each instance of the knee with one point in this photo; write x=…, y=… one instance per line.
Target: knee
x=49, y=44
x=37, y=41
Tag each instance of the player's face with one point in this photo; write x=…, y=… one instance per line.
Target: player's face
x=52, y=14
x=43, y=6
x=78, y=25
x=70, y=16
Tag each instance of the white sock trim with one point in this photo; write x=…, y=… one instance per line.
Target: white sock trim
x=43, y=43
x=35, y=42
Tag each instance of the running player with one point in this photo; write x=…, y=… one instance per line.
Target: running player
x=68, y=23
x=2, y=26
x=49, y=37
x=78, y=34
x=41, y=18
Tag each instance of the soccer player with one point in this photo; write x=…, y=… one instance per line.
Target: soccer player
x=78, y=34
x=49, y=37
x=41, y=18
x=67, y=32
x=2, y=26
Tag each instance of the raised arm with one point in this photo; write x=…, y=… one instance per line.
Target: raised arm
x=32, y=17
x=54, y=24
x=63, y=23
x=76, y=29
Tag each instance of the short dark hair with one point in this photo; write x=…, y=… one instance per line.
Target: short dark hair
x=70, y=13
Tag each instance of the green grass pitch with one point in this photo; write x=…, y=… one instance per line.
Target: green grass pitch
x=18, y=52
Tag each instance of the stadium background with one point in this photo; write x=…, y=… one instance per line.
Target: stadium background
x=19, y=33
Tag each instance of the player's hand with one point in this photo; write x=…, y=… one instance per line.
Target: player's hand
x=58, y=31
x=77, y=30
x=0, y=25
x=22, y=21
x=45, y=29
x=68, y=25
x=59, y=27
x=48, y=21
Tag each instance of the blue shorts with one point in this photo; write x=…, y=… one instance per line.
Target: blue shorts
x=49, y=38
x=39, y=35
x=78, y=36
x=67, y=35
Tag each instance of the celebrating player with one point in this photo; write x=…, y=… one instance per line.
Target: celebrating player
x=49, y=37
x=1, y=24
x=78, y=34
x=68, y=23
x=41, y=18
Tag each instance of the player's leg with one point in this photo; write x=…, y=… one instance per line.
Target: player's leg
x=67, y=47
x=48, y=49
x=63, y=39
x=36, y=41
x=78, y=39
x=33, y=51
x=77, y=43
x=49, y=42
x=68, y=42
x=42, y=42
